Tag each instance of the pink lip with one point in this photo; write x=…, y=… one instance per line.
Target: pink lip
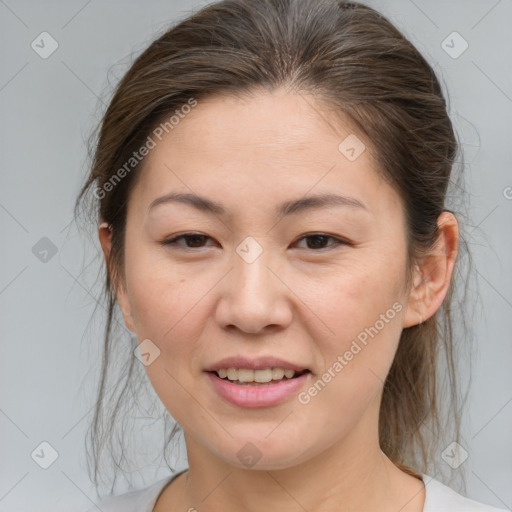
x=252, y=396
x=258, y=363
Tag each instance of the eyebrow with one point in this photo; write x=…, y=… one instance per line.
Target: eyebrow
x=292, y=207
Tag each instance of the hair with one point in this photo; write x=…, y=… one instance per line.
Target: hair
x=351, y=59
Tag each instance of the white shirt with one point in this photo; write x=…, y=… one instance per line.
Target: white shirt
x=438, y=498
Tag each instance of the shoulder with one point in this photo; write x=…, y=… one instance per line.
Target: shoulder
x=141, y=500
x=441, y=498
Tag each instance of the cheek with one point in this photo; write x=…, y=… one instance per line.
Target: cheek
x=163, y=299
x=165, y=309
x=355, y=293
x=360, y=311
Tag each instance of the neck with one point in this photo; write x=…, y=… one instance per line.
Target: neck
x=351, y=475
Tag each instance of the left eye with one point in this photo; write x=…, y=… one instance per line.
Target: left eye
x=196, y=239
x=320, y=239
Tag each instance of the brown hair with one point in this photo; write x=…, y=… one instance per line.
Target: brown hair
x=352, y=59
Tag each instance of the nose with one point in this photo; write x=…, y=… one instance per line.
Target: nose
x=254, y=297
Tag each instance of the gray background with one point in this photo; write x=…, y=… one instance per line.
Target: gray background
x=50, y=350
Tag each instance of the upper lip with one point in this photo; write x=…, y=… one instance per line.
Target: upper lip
x=259, y=363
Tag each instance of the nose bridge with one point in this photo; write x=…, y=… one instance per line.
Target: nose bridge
x=253, y=298
x=252, y=275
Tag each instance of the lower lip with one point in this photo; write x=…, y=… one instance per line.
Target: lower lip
x=257, y=395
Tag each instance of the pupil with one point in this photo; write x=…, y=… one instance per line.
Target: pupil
x=194, y=237
x=317, y=237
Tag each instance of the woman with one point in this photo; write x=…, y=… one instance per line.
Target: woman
x=270, y=179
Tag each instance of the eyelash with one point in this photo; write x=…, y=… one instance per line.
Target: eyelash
x=185, y=236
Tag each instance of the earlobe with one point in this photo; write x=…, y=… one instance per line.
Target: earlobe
x=105, y=237
x=415, y=310
x=433, y=276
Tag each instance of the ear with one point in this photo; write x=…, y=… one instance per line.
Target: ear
x=105, y=236
x=433, y=276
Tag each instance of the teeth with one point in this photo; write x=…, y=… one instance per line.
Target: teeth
x=289, y=374
x=247, y=375
x=277, y=373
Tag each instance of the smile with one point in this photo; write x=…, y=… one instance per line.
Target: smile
x=243, y=387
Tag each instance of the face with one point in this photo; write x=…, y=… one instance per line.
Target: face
x=322, y=288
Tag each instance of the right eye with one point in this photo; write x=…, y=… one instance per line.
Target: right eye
x=196, y=239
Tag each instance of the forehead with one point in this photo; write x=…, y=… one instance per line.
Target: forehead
x=262, y=147
x=261, y=124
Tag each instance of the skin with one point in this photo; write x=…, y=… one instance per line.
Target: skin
x=296, y=301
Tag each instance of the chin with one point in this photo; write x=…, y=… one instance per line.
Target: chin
x=264, y=453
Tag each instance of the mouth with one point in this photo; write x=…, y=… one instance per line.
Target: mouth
x=240, y=387
x=264, y=377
